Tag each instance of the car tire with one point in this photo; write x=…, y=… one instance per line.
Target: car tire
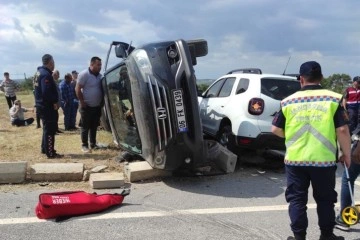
x=224, y=136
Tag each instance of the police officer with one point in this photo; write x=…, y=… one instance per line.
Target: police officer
x=311, y=121
x=46, y=102
x=351, y=103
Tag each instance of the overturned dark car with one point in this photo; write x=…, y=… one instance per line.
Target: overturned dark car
x=151, y=103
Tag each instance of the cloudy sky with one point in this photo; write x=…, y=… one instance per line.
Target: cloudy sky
x=240, y=33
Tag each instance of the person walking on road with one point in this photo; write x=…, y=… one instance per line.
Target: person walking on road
x=9, y=87
x=89, y=92
x=351, y=103
x=46, y=101
x=312, y=120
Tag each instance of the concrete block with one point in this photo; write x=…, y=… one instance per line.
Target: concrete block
x=136, y=171
x=106, y=180
x=12, y=172
x=57, y=172
x=98, y=169
x=226, y=160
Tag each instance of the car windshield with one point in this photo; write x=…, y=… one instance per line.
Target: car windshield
x=279, y=88
x=121, y=109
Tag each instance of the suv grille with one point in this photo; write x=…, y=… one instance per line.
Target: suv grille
x=160, y=105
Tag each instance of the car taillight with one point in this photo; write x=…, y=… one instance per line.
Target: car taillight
x=256, y=106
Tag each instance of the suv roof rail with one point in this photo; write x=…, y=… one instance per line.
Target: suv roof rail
x=247, y=70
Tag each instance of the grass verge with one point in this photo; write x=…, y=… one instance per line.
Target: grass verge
x=23, y=143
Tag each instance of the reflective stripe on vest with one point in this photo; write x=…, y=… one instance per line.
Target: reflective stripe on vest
x=310, y=137
x=316, y=133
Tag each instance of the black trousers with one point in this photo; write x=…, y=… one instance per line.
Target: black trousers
x=49, y=117
x=19, y=122
x=90, y=119
x=10, y=100
x=322, y=180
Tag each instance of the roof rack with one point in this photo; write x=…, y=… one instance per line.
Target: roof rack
x=246, y=70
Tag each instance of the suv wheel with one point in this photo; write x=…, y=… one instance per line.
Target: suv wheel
x=224, y=136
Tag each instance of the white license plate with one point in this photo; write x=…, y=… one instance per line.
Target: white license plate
x=180, y=112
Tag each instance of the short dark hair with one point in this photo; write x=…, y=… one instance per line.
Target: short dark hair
x=311, y=71
x=94, y=59
x=6, y=74
x=46, y=59
x=68, y=76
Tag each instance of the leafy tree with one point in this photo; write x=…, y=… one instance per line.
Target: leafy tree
x=337, y=82
x=27, y=84
x=202, y=87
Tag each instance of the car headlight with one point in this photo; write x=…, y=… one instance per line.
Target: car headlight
x=143, y=63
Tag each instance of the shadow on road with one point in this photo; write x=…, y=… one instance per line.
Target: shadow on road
x=248, y=181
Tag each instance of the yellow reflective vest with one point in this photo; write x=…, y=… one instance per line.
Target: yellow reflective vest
x=310, y=135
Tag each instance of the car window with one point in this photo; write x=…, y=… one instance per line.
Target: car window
x=279, y=88
x=214, y=89
x=227, y=87
x=121, y=108
x=242, y=86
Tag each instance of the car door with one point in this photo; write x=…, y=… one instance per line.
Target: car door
x=218, y=106
x=205, y=108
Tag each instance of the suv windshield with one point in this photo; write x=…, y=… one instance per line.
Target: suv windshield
x=121, y=108
x=279, y=88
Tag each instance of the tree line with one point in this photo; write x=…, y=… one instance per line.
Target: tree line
x=336, y=82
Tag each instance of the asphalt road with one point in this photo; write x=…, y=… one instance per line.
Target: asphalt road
x=248, y=204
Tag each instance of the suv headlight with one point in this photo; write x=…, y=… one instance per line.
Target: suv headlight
x=143, y=63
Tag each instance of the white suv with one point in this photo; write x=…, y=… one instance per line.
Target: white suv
x=238, y=108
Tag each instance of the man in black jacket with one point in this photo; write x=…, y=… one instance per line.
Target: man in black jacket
x=46, y=102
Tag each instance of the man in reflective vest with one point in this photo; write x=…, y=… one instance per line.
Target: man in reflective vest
x=312, y=120
x=351, y=103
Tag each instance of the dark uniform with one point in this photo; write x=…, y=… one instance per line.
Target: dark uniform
x=46, y=95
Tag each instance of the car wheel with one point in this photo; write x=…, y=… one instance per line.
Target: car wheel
x=224, y=136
